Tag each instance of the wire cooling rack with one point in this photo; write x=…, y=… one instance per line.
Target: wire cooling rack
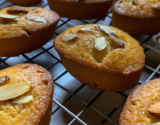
x=74, y=102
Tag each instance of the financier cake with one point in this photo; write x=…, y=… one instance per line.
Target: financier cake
x=137, y=16
x=24, y=2
x=101, y=57
x=26, y=95
x=24, y=29
x=81, y=9
x=143, y=105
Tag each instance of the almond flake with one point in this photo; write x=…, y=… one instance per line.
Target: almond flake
x=7, y=16
x=112, y=34
x=13, y=90
x=68, y=37
x=85, y=30
x=23, y=99
x=118, y=41
x=107, y=30
x=4, y=79
x=35, y=18
x=155, y=110
x=157, y=38
x=156, y=6
x=100, y=43
x=17, y=9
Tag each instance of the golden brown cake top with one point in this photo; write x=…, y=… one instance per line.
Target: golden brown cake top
x=17, y=21
x=143, y=105
x=28, y=111
x=102, y=47
x=138, y=8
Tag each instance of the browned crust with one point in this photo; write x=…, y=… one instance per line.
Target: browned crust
x=28, y=35
x=110, y=74
x=141, y=21
x=33, y=73
x=89, y=9
x=24, y=2
x=105, y=80
x=45, y=120
x=127, y=117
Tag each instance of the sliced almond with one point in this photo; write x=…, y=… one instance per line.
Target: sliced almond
x=7, y=16
x=35, y=18
x=118, y=41
x=85, y=29
x=100, y=43
x=155, y=110
x=14, y=90
x=18, y=9
x=107, y=30
x=23, y=99
x=4, y=79
x=156, y=6
x=112, y=34
x=68, y=37
x=157, y=38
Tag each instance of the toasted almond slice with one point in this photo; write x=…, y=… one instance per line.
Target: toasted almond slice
x=35, y=18
x=14, y=90
x=7, y=16
x=85, y=30
x=155, y=110
x=156, y=6
x=4, y=79
x=118, y=41
x=18, y=9
x=107, y=30
x=100, y=43
x=157, y=38
x=23, y=99
x=112, y=34
x=68, y=37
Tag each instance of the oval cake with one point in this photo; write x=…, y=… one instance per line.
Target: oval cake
x=81, y=9
x=26, y=95
x=24, y=29
x=101, y=57
x=143, y=105
x=137, y=16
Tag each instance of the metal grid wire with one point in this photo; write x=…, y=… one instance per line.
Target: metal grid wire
x=71, y=105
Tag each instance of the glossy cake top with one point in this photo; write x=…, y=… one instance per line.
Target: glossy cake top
x=101, y=47
x=25, y=92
